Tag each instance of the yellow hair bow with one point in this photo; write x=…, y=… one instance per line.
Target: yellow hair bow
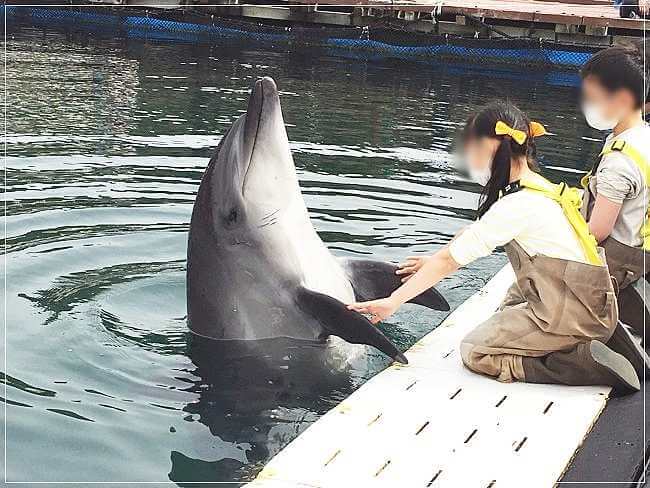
x=503, y=129
x=536, y=129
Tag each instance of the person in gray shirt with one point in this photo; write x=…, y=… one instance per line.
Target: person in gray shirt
x=616, y=189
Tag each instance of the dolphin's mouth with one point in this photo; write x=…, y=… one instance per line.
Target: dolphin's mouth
x=263, y=98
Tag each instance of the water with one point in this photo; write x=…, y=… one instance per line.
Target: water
x=107, y=143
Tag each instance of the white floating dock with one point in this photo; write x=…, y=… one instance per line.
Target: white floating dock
x=433, y=423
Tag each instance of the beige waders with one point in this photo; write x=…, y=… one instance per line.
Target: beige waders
x=626, y=267
x=625, y=262
x=543, y=329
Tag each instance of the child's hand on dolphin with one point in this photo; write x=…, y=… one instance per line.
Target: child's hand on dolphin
x=411, y=266
x=378, y=310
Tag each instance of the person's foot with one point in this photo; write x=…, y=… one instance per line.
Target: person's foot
x=623, y=343
x=588, y=363
x=614, y=368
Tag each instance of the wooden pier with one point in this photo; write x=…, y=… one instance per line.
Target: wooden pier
x=594, y=22
x=589, y=14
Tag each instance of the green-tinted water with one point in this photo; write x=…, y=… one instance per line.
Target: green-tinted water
x=107, y=143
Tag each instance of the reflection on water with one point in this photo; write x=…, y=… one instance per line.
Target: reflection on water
x=107, y=144
x=258, y=392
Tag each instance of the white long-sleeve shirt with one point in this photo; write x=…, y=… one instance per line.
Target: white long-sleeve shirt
x=535, y=221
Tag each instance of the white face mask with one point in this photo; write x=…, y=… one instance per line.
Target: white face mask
x=481, y=176
x=596, y=119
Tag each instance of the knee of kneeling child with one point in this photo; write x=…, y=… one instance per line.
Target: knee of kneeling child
x=479, y=363
x=467, y=356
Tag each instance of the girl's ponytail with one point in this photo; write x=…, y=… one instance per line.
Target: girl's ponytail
x=500, y=176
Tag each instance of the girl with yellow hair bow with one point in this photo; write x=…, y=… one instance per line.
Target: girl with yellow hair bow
x=556, y=318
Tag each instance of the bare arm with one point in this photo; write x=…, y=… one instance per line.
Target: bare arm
x=414, y=263
x=437, y=267
x=603, y=217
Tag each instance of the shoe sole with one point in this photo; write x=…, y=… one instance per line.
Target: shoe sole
x=616, y=365
x=625, y=344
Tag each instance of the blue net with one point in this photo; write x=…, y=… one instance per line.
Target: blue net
x=377, y=41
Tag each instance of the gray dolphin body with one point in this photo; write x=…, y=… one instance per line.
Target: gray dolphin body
x=256, y=269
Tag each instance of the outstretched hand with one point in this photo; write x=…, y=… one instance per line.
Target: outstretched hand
x=411, y=266
x=378, y=310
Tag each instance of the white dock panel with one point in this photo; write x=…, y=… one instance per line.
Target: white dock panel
x=433, y=423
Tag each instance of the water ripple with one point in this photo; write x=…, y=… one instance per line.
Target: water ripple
x=107, y=144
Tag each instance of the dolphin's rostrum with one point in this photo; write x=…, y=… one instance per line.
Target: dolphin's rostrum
x=256, y=269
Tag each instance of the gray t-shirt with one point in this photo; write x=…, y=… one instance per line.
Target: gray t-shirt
x=620, y=180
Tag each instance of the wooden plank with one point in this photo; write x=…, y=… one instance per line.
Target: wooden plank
x=490, y=13
x=615, y=22
x=595, y=13
x=561, y=19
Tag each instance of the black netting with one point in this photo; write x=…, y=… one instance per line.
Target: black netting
x=191, y=27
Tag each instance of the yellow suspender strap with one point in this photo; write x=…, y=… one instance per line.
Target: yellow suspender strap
x=638, y=159
x=624, y=148
x=570, y=200
x=644, y=166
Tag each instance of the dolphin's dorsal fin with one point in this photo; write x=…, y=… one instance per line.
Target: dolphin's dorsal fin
x=376, y=279
x=335, y=319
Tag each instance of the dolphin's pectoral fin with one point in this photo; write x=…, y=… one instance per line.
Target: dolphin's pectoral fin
x=376, y=279
x=336, y=319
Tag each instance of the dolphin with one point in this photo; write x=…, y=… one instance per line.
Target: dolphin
x=256, y=268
